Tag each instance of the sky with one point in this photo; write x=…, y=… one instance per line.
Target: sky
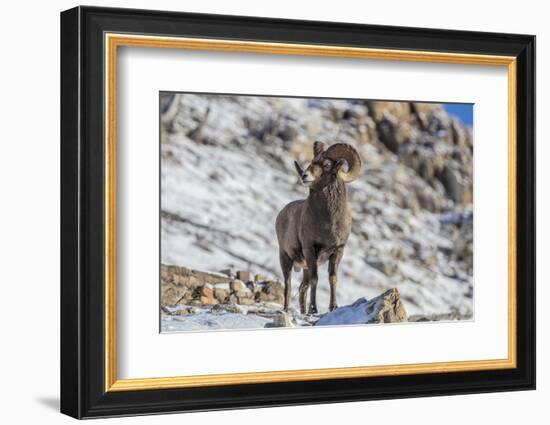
x=463, y=111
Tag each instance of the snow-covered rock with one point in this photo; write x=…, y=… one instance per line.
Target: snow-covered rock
x=385, y=308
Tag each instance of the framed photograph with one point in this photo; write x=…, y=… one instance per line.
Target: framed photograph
x=261, y=212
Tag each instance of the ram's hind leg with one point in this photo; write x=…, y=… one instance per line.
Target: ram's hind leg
x=286, y=268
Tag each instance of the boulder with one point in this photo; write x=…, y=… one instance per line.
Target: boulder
x=208, y=300
x=385, y=308
x=273, y=291
x=259, y=278
x=207, y=295
x=245, y=293
x=172, y=295
x=244, y=275
x=193, y=278
x=180, y=285
x=281, y=320
x=245, y=300
x=237, y=285
x=221, y=294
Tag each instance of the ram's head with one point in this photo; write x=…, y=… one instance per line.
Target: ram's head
x=329, y=164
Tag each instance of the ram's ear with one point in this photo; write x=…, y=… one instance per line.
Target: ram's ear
x=318, y=147
x=298, y=169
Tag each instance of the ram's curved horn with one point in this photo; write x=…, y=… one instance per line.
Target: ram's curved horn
x=350, y=155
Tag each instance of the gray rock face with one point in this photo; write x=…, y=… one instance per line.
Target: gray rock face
x=385, y=308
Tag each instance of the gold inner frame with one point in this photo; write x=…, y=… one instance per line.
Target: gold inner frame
x=113, y=41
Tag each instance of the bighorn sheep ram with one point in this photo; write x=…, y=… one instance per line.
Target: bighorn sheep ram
x=313, y=230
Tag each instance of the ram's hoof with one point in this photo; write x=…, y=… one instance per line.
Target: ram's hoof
x=313, y=309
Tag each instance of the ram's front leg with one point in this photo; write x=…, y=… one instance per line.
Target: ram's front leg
x=311, y=260
x=333, y=263
x=303, y=292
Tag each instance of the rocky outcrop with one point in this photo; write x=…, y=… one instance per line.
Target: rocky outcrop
x=183, y=286
x=437, y=147
x=197, y=300
x=385, y=308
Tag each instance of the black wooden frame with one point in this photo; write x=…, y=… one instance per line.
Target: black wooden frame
x=82, y=217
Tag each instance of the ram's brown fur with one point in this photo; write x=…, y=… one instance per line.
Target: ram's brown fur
x=315, y=230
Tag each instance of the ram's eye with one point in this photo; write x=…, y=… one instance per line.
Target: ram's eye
x=314, y=170
x=327, y=164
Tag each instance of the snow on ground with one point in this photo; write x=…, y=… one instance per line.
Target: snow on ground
x=206, y=320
